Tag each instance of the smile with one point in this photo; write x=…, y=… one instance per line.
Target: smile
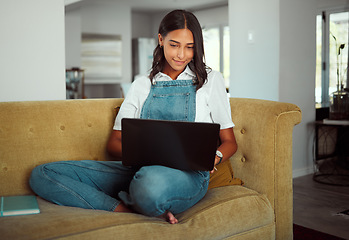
x=179, y=62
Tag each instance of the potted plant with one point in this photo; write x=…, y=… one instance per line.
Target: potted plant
x=339, y=109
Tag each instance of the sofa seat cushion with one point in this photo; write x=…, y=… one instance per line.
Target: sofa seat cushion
x=223, y=212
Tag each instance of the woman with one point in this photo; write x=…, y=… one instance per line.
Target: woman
x=183, y=81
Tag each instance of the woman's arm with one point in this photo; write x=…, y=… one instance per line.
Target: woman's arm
x=228, y=146
x=114, y=146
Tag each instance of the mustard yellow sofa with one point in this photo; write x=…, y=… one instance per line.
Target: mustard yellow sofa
x=36, y=132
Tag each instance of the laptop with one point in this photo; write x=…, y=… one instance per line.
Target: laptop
x=175, y=144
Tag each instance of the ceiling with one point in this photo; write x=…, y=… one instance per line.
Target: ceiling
x=155, y=5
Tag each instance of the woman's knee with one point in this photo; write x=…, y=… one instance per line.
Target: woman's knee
x=37, y=177
x=148, y=191
x=147, y=183
x=156, y=189
x=40, y=178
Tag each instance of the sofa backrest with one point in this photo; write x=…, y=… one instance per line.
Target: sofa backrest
x=37, y=132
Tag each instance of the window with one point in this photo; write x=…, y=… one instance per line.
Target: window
x=331, y=55
x=212, y=47
x=217, y=49
x=318, y=79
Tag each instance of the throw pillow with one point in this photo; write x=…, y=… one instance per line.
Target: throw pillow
x=224, y=176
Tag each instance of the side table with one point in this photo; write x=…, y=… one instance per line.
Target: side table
x=331, y=152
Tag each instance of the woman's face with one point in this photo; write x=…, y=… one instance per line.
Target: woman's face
x=178, y=48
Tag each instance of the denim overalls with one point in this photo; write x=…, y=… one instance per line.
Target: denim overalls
x=171, y=100
x=150, y=190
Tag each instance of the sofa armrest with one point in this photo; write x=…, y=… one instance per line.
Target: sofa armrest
x=263, y=131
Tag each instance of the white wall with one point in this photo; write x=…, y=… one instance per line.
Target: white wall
x=280, y=64
x=73, y=39
x=297, y=74
x=213, y=16
x=254, y=66
x=32, y=50
x=141, y=25
x=332, y=4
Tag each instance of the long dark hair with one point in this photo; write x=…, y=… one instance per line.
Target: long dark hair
x=181, y=19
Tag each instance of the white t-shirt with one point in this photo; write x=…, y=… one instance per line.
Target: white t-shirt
x=212, y=103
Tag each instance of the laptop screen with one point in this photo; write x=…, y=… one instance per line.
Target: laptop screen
x=176, y=144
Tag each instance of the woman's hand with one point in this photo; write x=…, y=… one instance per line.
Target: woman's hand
x=114, y=146
x=228, y=146
x=216, y=161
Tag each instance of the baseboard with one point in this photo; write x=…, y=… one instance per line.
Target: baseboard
x=302, y=171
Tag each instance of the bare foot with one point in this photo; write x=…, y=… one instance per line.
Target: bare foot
x=123, y=208
x=169, y=217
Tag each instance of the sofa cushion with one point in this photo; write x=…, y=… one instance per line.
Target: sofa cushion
x=208, y=219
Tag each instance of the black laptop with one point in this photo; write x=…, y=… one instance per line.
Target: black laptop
x=175, y=144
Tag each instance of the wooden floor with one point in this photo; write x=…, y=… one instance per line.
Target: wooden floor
x=316, y=206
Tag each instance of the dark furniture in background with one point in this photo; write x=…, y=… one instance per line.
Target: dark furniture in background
x=331, y=149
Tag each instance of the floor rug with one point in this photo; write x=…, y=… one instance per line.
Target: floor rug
x=303, y=233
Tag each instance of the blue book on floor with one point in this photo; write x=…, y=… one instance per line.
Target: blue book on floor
x=19, y=205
